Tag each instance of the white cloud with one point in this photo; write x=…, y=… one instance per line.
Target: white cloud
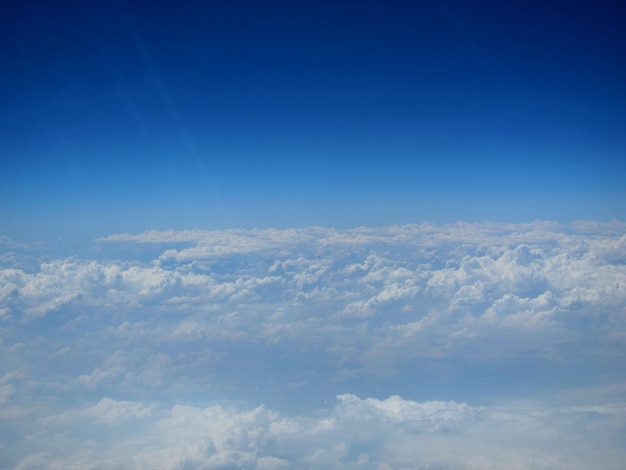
x=6, y=391
x=107, y=411
x=354, y=433
x=143, y=341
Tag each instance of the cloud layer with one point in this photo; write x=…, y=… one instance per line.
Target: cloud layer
x=293, y=348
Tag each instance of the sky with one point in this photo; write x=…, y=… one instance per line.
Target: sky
x=312, y=235
x=129, y=115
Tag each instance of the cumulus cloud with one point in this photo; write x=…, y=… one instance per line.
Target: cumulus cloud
x=354, y=433
x=291, y=348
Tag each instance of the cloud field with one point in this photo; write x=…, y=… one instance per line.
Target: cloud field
x=462, y=346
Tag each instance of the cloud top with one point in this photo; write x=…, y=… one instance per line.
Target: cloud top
x=318, y=348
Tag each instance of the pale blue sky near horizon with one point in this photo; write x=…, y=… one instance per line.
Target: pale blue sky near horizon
x=124, y=116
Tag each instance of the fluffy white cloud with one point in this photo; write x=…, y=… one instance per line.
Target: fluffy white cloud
x=142, y=338
x=354, y=433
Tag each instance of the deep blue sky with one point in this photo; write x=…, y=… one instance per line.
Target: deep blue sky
x=129, y=115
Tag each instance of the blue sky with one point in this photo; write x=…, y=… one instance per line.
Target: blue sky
x=131, y=115
x=312, y=235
